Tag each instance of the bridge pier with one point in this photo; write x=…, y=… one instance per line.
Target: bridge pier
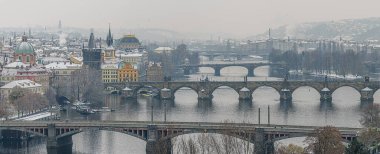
x=186, y=71
x=285, y=95
x=245, y=94
x=166, y=94
x=251, y=72
x=217, y=71
x=204, y=95
x=154, y=145
x=326, y=95
x=366, y=95
x=128, y=93
x=262, y=146
x=56, y=145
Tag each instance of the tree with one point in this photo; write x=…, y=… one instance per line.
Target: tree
x=325, y=140
x=16, y=94
x=87, y=85
x=30, y=102
x=355, y=147
x=290, y=149
x=369, y=137
x=370, y=116
x=51, y=96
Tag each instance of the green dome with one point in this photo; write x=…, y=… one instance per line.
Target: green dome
x=25, y=47
x=129, y=39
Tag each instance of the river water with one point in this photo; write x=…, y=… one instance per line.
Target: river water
x=305, y=109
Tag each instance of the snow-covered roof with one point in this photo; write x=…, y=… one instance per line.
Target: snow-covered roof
x=21, y=83
x=109, y=65
x=244, y=89
x=165, y=89
x=16, y=64
x=8, y=72
x=325, y=89
x=367, y=89
x=127, y=89
x=163, y=49
x=63, y=65
x=285, y=90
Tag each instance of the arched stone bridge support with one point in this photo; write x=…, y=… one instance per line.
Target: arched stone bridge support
x=251, y=71
x=285, y=95
x=57, y=145
x=154, y=145
x=217, y=70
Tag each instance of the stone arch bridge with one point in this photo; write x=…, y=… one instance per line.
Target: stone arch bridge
x=217, y=67
x=204, y=89
x=158, y=135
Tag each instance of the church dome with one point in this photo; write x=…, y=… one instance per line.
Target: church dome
x=25, y=47
x=129, y=39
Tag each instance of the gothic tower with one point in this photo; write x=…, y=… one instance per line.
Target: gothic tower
x=91, y=54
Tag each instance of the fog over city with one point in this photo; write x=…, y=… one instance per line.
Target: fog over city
x=239, y=18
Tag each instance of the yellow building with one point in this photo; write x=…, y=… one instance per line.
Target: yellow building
x=127, y=73
x=110, y=73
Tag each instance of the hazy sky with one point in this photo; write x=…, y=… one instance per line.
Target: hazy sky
x=240, y=17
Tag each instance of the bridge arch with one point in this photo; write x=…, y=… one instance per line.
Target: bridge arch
x=279, y=137
x=141, y=134
x=242, y=136
x=310, y=87
x=277, y=89
x=255, y=70
x=353, y=88
x=228, y=87
x=246, y=68
x=42, y=132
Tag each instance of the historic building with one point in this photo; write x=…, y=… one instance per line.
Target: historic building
x=61, y=72
x=155, y=72
x=25, y=52
x=23, y=84
x=127, y=73
x=92, y=54
x=128, y=43
x=109, y=51
x=110, y=73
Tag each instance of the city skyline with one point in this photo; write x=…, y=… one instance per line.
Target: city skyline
x=241, y=18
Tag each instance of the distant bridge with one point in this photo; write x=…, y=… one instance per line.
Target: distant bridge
x=285, y=88
x=158, y=134
x=217, y=67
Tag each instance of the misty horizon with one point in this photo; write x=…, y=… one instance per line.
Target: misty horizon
x=238, y=19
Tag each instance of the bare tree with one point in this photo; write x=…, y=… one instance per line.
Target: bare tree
x=30, y=102
x=325, y=140
x=290, y=149
x=87, y=85
x=370, y=116
x=369, y=137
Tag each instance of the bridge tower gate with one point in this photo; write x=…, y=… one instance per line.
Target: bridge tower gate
x=56, y=145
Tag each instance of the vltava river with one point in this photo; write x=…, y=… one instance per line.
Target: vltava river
x=304, y=110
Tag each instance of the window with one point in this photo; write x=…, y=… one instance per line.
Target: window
x=27, y=59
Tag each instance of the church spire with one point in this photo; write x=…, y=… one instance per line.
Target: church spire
x=91, y=42
x=109, y=39
x=24, y=38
